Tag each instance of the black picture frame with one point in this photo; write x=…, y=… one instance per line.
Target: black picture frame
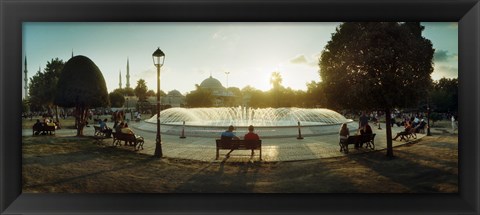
x=13, y=13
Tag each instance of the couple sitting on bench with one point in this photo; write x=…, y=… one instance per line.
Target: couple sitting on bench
x=363, y=130
x=229, y=135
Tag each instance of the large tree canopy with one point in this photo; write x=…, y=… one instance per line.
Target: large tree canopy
x=141, y=90
x=81, y=85
x=377, y=66
x=43, y=85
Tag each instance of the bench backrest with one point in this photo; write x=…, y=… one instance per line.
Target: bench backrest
x=123, y=136
x=43, y=128
x=368, y=137
x=238, y=144
x=361, y=138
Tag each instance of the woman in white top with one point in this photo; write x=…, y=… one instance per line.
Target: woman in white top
x=344, y=132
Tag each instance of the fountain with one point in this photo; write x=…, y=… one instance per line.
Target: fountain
x=268, y=122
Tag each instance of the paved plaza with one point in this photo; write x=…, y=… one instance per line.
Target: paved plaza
x=273, y=149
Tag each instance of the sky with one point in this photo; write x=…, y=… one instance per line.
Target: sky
x=237, y=54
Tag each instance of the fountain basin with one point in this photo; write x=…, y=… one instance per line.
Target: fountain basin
x=268, y=122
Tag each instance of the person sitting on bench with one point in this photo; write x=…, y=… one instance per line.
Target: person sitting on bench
x=367, y=130
x=344, y=132
x=104, y=128
x=404, y=132
x=127, y=130
x=229, y=135
x=251, y=135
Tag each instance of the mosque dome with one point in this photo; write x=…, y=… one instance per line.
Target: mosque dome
x=174, y=93
x=211, y=83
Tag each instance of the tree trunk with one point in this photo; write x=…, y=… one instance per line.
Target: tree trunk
x=81, y=116
x=56, y=113
x=389, y=133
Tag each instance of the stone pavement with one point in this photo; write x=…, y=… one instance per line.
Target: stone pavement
x=273, y=149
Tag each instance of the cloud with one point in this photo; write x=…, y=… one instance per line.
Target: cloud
x=443, y=55
x=300, y=59
x=219, y=35
x=445, y=71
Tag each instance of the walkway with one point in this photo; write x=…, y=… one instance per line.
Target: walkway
x=273, y=149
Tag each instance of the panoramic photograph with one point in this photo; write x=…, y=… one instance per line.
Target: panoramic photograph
x=234, y=107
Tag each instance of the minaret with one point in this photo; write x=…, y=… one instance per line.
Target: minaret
x=26, y=79
x=120, y=77
x=72, y=53
x=128, y=74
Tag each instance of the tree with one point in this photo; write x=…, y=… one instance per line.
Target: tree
x=81, y=85
x=314, y=95
x=151, y=93
x=141, y=90
x=444, y=95
x=276, y=81
x=377, y=66
x=43, y=85
x=116, y=99
x=199, y=97
x=25, y=108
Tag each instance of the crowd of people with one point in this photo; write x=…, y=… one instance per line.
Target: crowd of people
x=46, y=121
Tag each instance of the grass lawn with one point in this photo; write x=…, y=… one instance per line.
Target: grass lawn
x=78, y=165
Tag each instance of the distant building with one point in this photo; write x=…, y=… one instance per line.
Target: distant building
x=173, y=99
x=220, y=93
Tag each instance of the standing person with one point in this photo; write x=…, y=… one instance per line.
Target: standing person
x=454, y=124
x=392, y=119
x=363, y=120
x=229, y=135
x=251, y=135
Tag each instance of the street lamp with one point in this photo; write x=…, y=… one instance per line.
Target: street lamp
x=127, y=109
x=158, y=58
x=428, y=119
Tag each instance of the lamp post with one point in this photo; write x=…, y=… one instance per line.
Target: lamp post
x=428, y=119
x=126, y=112
x=158, y=58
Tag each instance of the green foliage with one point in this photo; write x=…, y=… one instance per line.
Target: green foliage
x=141, y=90
x=315, y=96
x=376, y=65
x=257, y=98
x=25, y=105
x=125, y=91
x=444, y=95
x=116, y=99
x=43, y=85
x=435, y=117
x=199, y=98
x=151, y=93
x=81, y=83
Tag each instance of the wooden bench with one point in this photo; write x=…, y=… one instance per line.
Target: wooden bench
x=358, y=141
x=406, y=135
x=99, y=132
x=137, y=141
x=239, y=145
x=43, y=128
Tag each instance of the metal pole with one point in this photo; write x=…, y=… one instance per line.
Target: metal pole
x=299, y=137
x=182, y=136
x=428, y=120
x=158, y=143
